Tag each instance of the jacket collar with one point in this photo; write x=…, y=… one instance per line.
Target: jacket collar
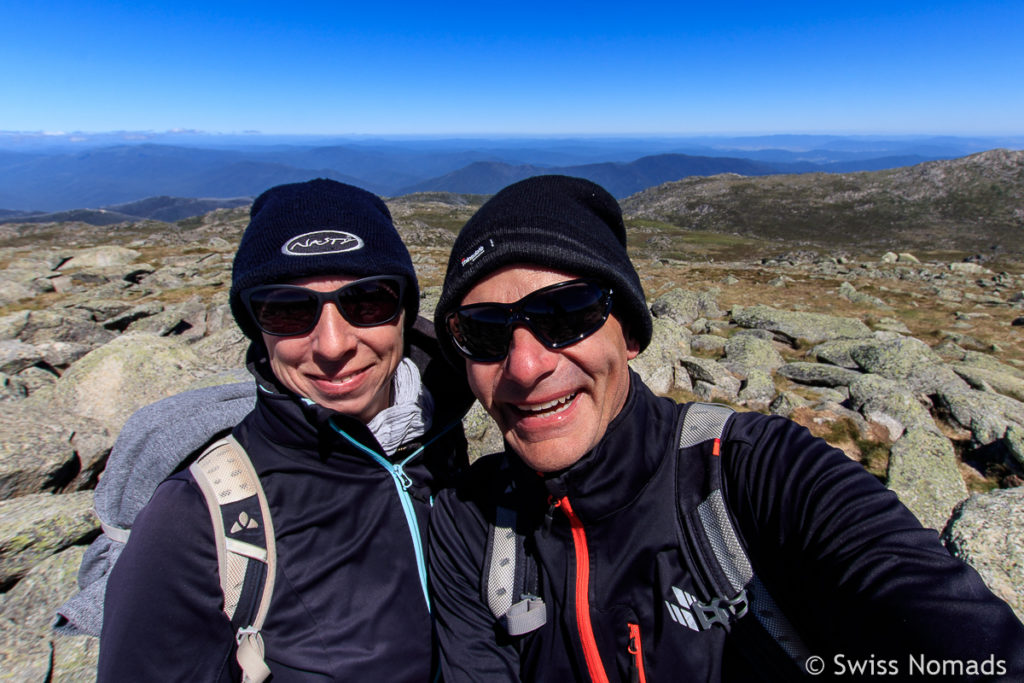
x=612, y=474
x=291, y=422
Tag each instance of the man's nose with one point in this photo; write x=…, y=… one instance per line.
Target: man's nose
x=528, y=359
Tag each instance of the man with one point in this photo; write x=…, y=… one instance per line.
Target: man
x=543, y=310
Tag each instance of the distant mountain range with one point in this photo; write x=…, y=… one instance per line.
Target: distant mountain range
x=46, y=174
x=975, y=203
x=940, y=209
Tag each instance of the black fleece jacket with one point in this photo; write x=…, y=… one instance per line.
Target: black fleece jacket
x=348, y=602
x=853, y=569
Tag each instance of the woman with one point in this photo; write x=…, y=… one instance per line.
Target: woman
x=353, y=432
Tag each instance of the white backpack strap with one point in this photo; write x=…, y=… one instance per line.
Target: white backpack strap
x=506, y=579
x=246, y=552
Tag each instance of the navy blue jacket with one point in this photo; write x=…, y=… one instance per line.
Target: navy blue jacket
x=348, y=602
x=853, y=569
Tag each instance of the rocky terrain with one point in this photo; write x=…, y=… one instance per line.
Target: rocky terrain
x=909, y=360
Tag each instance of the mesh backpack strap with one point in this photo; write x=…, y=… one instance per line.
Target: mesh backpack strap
x=246, y=551
x=510, y=574
x=717, y=548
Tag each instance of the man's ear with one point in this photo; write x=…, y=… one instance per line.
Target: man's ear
x=632, y=346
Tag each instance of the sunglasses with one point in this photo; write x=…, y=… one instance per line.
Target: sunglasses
x=558, y=315
x=289, y=310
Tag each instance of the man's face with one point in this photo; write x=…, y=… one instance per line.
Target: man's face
x=337, y=365
x=552, y=405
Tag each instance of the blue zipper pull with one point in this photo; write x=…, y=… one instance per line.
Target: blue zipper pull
x=402, y=477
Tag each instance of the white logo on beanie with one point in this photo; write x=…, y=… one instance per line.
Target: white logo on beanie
x=322, y=242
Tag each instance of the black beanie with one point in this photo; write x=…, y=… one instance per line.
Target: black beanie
x=319, y=227
x=552, y=221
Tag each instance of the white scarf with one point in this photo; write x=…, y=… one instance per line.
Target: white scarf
x=411, y=412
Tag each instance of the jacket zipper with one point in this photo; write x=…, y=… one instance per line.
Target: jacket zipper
x=402, y=484
x=579, y=539
x=639, y=674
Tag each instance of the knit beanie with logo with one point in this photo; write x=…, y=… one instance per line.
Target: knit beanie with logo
x=552, y=221
x=319, y=227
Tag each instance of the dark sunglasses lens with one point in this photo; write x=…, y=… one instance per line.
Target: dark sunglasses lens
x=370, y=303
x=284, y=311
x=561, y=316
x=482, y=332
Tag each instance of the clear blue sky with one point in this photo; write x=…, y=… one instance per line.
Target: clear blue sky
x=527, y=67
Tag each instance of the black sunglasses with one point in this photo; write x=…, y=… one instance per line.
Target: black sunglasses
x=289, y=310
x=557, y=316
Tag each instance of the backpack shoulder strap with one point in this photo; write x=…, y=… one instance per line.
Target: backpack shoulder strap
x=246, y=551
x=509, y=580
x=715, y=546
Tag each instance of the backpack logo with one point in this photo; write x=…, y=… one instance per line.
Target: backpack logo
x=695, y=615
x=244, y=521
x=322, y=242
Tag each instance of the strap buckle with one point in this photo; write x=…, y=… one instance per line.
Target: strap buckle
x=722, y=611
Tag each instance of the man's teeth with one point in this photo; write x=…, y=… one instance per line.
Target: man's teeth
x=560, y=403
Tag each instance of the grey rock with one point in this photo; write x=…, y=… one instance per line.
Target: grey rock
x=839, y=352
x=429, y=296
x=219, y=317
x=708, y=343
x=890, y=404
x=750, y=352
x=129, y=314
x=986, y=379
x=61, y=354
x=34, y=527
x=482, y=433
x=68, y=325
x=15, y=356
x=29, y=649
x=983, y=360
x=829, y=394
x=985, y=531
x=223, y=349
x=24, y=656
x=685, y=306
x=100, y=257
x=658, y=364
x=115, y=380
x=970, y=269
x=33, y=380
x=924, y=474
x=758, y=390
x=711, y=381
x=987, y=415
x=13, y=292
x=187, y=319
x=791, y=327
x=32, y=601
x=35, y=451
x=12, y=325
x=909, y=360
x=891, y=325
x=818, y=374
x=12, y=388
x=786, y=402
x=850, y=293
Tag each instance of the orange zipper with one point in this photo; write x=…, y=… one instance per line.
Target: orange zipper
x=637, y=650
x=579, y=540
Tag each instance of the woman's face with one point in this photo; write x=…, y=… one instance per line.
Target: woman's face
x=337, y=365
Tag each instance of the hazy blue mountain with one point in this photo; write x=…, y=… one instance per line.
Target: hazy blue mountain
x=167, y=209
x=45, y=172
x=621, y=179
